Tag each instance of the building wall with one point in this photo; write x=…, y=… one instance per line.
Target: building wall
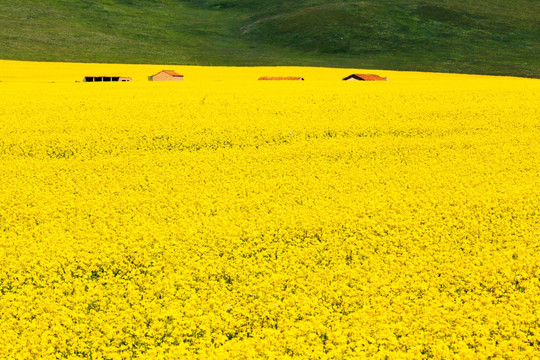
x=166, y=77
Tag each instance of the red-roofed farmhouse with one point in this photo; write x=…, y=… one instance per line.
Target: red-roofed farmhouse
x=365, y=77
x=166, y=75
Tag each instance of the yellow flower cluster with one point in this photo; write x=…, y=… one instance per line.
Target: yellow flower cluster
x=222, y=217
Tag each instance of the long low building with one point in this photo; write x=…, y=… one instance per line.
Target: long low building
x=106, y=78
x=281, y=78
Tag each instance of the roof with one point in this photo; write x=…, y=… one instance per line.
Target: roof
x=366, y=77
x=281, y=78
x=169, y=72
x=101, y=76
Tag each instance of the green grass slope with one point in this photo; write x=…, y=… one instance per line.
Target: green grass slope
x=483, y=36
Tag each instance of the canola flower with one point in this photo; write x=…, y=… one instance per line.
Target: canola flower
x=223, y=217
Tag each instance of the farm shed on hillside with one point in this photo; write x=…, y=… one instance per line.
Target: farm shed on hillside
x=365, y=77
x=166, y=75
x=281, y=78
x=105, y=78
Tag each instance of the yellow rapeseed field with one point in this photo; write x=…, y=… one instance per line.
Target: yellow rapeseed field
x=225, y=217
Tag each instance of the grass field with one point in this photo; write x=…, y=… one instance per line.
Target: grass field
x=223, y=217
x=481, y=37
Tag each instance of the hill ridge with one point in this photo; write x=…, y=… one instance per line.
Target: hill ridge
x=483, y=37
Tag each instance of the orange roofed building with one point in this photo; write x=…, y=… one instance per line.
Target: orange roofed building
x=166, y=75
x=281, y=78
x=365, y=77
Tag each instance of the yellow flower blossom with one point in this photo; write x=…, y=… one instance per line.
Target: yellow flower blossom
x=222, y=217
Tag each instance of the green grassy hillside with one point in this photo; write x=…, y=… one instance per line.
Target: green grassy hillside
x=482, y=36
